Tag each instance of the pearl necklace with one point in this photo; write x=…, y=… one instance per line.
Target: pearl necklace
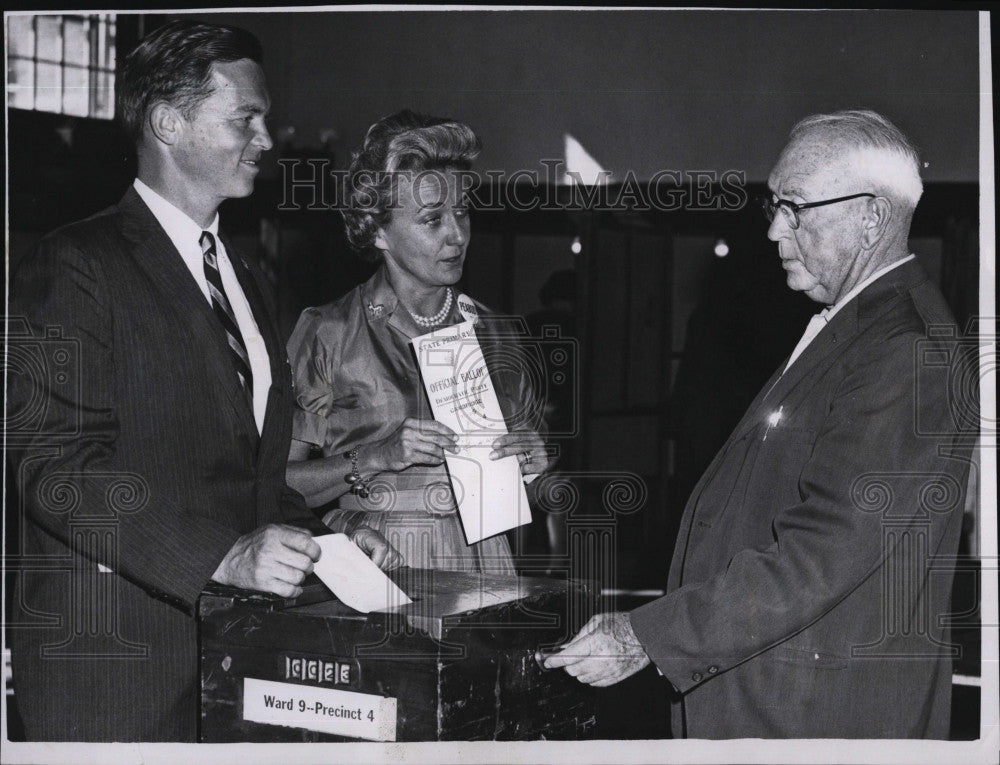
x=433, y=321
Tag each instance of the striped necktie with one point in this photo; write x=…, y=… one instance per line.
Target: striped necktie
x=224, y=311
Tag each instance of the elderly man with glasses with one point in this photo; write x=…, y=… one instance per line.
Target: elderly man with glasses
x=810, y=579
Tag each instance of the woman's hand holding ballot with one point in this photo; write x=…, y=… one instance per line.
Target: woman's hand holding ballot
x=414, y=442
x=424, y=442
x=529, y=448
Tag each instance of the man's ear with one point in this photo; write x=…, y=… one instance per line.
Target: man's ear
x=165, y=122
x=876, y=221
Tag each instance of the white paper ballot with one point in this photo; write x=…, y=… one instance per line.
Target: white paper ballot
x=490, y=493
x=353, y=578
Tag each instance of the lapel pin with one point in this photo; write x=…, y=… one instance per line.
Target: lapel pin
x=375, y=310
x=772, y=420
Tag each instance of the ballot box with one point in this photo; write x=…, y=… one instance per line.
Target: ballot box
x=458, y=663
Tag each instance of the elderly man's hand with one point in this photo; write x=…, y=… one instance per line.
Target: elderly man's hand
x=377, y=547
x=603, y=653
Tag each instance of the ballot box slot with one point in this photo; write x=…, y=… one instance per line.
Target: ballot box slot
x=448, y=600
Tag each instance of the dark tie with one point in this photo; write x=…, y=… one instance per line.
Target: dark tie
x=223, y=309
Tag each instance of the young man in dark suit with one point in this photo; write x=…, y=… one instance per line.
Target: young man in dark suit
x=162, y=466
x=810, y=576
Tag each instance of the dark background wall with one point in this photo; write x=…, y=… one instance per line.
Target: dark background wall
x=641, y=90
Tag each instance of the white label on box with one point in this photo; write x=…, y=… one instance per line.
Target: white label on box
x=341, y=713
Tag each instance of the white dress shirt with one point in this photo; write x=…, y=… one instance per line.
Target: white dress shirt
x=820, y=320
x=185, y=235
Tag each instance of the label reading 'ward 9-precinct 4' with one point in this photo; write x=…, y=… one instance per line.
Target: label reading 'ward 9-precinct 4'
x=341, y=713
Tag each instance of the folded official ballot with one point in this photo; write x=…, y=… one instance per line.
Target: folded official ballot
x=353, y=578
x=490, y=493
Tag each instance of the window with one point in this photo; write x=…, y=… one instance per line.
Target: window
x=62, y=64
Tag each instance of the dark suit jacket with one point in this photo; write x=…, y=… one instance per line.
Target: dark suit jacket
x=805, y=592
x=145, y=459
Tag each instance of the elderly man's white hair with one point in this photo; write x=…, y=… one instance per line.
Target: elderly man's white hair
x=879, y=152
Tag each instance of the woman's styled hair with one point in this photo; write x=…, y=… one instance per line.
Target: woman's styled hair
x=405, y=142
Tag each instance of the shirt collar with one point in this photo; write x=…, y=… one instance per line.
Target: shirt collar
x=830, y=311
x=183, y=231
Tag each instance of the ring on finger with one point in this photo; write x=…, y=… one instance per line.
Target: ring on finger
x=526, y=457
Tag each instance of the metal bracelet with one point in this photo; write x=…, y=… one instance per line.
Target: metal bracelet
x=358, y=484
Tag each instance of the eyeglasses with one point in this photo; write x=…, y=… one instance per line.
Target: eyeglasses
x=791, y=210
